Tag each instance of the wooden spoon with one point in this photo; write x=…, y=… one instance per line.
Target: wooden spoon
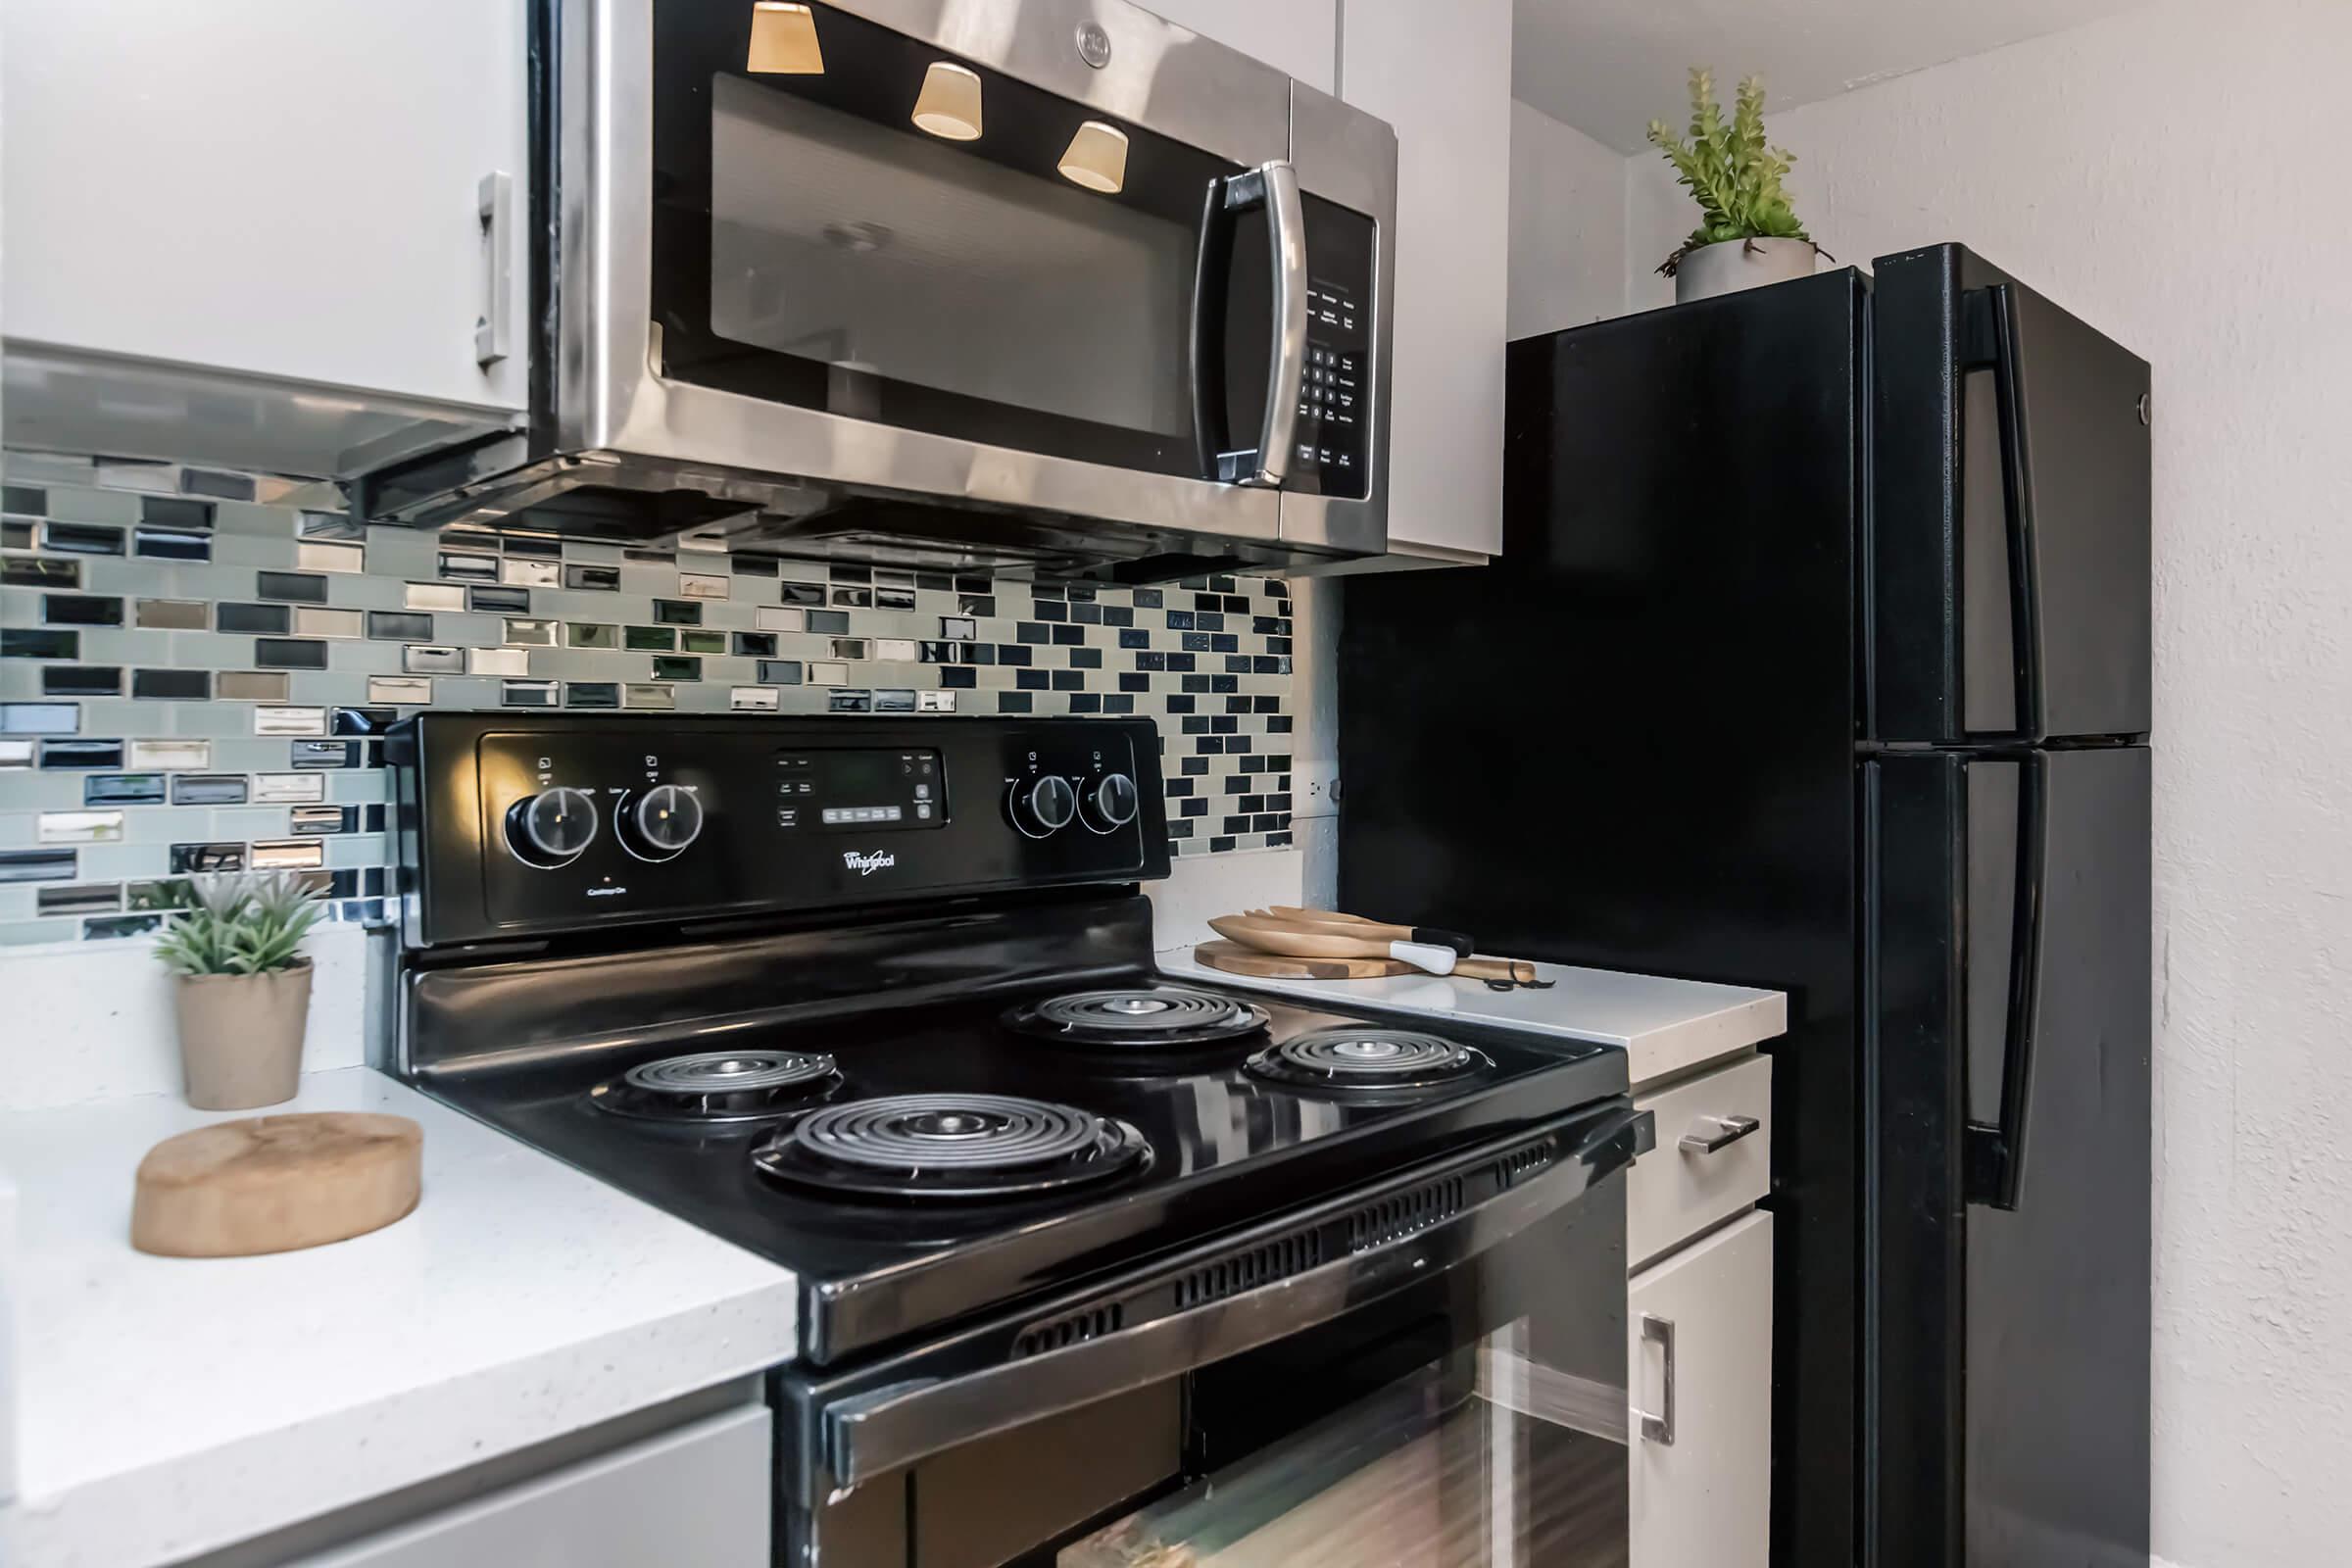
x=1358, y=925
x=1306, y=941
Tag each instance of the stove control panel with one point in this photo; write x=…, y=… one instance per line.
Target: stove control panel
x=527, y=825
x=860, y=791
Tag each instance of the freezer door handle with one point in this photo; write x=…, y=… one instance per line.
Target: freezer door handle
x=1988, y=341
x=1995, y=1156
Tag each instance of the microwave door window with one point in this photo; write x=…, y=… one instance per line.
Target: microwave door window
x=902, y=257
x=1029, y=286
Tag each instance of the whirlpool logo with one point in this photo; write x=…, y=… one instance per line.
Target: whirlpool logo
x=867, y=862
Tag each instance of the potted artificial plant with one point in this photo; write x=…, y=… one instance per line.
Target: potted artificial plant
x=242, y=987
x=1747, y=232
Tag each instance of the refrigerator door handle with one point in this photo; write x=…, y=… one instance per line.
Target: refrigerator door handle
x=1989, y=340
x=1995, y=1155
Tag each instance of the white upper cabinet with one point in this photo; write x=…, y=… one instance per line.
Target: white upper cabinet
x=1442, y=75
x=252, y=229
x=1298, y=37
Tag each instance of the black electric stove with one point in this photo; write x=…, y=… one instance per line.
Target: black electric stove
x=874, y=998
x=702, y=961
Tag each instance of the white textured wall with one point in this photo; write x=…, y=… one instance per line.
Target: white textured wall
x=2176, y=176
x=1568, y=209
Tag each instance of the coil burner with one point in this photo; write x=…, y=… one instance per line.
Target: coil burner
x=952, y=1145
x=1138, y=1018
x=719, y=1086
x=1369, y=1060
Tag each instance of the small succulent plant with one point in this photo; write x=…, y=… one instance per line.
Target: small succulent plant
x=1729, y=170
x=240, y=924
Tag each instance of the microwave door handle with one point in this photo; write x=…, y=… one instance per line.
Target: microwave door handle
x=1286, y=251
x=1209, y=305
x=897, y=1425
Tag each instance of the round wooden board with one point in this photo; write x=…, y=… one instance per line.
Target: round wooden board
x=272, y=1184
x=1234, y=959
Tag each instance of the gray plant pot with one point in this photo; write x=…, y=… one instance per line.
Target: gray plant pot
x=240, y=1036
x=1737, y=264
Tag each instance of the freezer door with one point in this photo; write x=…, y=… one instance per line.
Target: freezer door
x=2007, y=1221
x=2007, y=572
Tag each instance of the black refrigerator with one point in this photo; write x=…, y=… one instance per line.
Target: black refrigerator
x=1817, y=658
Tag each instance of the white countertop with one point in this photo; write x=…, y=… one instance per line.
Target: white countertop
x=1664, y=1026
x=173, y=1405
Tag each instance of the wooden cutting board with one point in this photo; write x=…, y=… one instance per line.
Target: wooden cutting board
x=272, y=1184
x=1234, y=959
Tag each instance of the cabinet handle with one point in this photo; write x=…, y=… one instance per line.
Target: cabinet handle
x=1728, y=1130
x=493, y=329
x=1659, y=1429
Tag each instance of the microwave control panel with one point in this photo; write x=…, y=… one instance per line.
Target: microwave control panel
x=1333, y=436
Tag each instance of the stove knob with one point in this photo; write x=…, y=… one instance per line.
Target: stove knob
x=1108, y=803
x=1043, y=804
x=660, y=823
x=551, y=828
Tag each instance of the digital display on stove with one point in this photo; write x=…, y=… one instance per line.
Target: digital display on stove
x=859, y=791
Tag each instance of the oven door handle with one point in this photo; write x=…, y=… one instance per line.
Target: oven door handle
x=871, y=1434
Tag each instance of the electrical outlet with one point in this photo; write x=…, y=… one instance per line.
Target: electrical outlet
x=1315, y=788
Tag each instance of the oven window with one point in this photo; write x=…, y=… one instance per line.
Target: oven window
x=814, y=247
x=1484, y=1459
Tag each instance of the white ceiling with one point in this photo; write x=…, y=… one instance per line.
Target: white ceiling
x=1610, y=66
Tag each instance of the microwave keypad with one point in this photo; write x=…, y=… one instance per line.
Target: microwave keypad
x=1329, y=451
x=1332, y=406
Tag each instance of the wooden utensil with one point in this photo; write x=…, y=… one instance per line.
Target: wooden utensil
x=1234, y=959
x=1308, y=942
x=1515, y=971
x=272, y=1184
x=1295, y=941
x=1455, y=940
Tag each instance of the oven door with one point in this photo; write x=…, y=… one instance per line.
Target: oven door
x=1430, y=1374
x=1054, y=255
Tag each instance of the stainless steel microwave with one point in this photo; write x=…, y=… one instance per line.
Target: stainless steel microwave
x=1045, y=287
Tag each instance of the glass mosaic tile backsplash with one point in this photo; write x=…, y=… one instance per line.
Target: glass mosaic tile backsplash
x=195, y=669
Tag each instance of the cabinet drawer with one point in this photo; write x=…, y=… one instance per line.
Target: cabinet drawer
x=1673, y=1192
x=698, y=1494
x=1699, y=1367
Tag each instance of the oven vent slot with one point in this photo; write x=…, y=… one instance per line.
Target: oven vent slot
x=1394, y=1218
x=1091, y=1323
x=1236, y=1272
x=1521, y=1163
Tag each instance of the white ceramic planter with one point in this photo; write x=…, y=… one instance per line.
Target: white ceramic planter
x=1737, y=264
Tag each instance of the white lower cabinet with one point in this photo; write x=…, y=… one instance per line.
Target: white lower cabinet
x=697, y=1496
x=1699, y=1372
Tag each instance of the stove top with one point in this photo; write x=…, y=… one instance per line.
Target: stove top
x=959, y=1159
x=931, y=1068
